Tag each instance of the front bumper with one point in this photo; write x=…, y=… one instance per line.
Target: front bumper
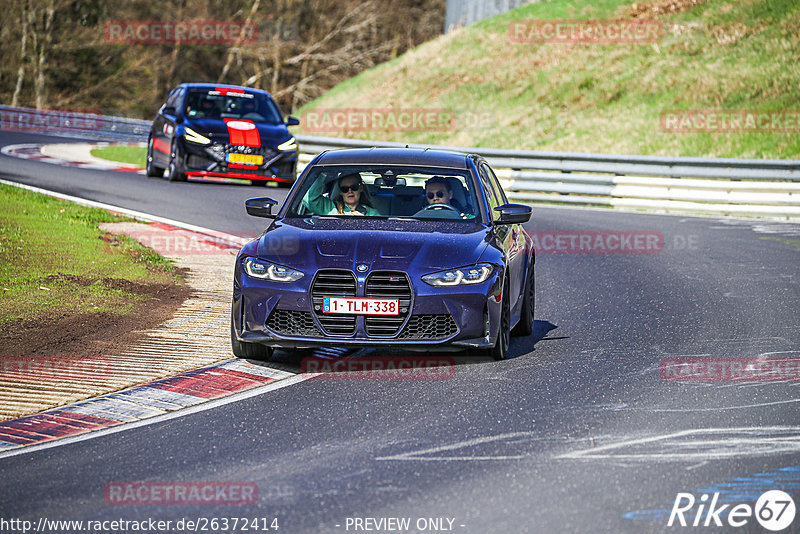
x=281, y=315
x=209, y=161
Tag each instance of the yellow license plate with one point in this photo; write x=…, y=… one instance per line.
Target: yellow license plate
x=246, y=159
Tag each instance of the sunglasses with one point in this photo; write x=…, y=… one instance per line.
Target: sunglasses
x=347, y=188
x=438, y=194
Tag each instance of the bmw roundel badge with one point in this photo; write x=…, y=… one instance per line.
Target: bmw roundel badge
x=362, y=268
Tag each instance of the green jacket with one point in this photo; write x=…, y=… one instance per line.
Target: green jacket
x=320, y=205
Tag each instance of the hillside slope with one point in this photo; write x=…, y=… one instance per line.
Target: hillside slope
x=713, y=55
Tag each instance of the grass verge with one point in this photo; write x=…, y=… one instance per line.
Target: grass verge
x=134, y=155
x=593, y=97
x=55, y=262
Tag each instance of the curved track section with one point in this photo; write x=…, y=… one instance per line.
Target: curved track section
x=593, y=425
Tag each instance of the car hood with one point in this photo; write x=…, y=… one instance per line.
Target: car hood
x=217, y=130
x=380, y=244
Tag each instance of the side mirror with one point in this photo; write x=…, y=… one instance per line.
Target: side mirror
x=513, y=214
x=260, y=207
x=292, y=121
x=169, y=110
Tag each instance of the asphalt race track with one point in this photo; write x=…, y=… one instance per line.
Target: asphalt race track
x=580, y=431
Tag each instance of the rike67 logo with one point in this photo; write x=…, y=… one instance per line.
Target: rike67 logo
x=774, y=510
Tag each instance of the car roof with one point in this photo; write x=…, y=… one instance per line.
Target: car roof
x=394, y=156
x=212, y=86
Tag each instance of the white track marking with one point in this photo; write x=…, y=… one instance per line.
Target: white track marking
x=702, y=445
x=715, y=409
x=82, y=152
x=415, y=455
x=8, y=149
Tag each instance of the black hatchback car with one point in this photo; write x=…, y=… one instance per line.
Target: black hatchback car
x=223, y=131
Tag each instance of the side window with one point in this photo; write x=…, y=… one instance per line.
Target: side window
x=498, y=190
x=179, y=98
x=172, y=98
x=491, y=195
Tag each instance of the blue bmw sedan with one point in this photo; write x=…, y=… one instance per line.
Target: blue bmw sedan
x=385, y=247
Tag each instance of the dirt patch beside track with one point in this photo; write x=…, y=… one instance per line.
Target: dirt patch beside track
x=177, y=328
x=91, y=334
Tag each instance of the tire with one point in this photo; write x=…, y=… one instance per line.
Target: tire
x=258, y=183
x=175, y=171
x=500, y=349
x=525, y=325
x=151, y=169
x=289, y=169
x=249, y=351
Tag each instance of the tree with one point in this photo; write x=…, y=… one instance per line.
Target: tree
x=57, y=54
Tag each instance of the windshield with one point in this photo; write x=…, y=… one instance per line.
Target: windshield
x=213, y=104
x=386, y=191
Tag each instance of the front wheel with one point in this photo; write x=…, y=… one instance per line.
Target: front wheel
x=500, y=349
x=176, y=171
x=287, y=169
x=525, y=325
x=151, y=169
x=249, y=351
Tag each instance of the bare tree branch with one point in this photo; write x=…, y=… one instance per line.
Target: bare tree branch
x=23, y=53
x=238, y=44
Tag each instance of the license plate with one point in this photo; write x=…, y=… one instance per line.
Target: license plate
x=360, y=306
x=245, y=159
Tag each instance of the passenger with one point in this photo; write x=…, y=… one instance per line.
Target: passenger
x=350, y=197
x=439, y=191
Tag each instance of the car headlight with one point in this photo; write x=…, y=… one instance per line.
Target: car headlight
x=269, y=271
x=194, y=137
x=469, y=275
x=286, y=146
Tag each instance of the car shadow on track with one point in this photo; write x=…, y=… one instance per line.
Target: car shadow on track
x=330, y=359
x=522, y=346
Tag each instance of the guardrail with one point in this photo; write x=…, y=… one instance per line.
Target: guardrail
x=671, y=184
x=74, y=124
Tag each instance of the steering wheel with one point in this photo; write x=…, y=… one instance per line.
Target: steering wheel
x=438, y=207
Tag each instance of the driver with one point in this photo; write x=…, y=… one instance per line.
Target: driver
x=350, y=197
x=209, y=108
x=439, y=191
x=248, y=107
